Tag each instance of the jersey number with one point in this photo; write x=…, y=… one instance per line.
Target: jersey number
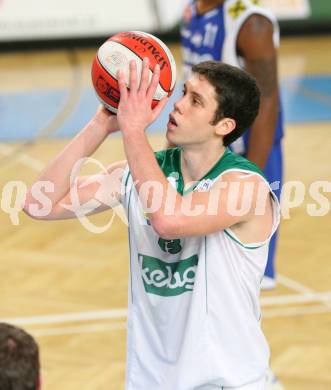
x=170, y=246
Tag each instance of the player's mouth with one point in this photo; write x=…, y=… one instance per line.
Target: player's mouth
x=172, y=122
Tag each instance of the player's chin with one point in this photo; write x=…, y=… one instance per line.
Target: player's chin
x=172, y=141
x=171, y=137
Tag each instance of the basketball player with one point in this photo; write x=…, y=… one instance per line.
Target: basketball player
x=243, y=34
x=200, y=220
x=19, y=359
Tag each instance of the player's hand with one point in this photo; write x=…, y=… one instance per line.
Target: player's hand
x=135, y=111
x=106, y=119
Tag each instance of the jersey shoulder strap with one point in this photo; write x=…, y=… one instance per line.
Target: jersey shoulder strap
x=169, y=160
x=231, y=161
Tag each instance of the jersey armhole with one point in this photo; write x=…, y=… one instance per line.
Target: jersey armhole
x=275, y=215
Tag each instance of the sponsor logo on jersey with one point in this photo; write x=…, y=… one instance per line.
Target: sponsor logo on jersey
x=170, y=246
x=168, y=279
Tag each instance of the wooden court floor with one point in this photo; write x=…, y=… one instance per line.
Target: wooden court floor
x=68, y=286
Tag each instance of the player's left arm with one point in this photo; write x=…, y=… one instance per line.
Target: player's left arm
x=171, y=214
x=236, y=200
x=256, y=46
x=231, y=202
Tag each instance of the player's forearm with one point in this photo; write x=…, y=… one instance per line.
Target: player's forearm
x=134, y=114
x=151, y=184
x=142, y=162
x=60, y=170
x=172, y=215
x=263, y=131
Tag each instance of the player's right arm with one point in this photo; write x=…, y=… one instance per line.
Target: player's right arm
x=51, y=195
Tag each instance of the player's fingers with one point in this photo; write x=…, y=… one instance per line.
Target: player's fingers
x=122, y=84
x=144, y=75
x=154, y=83
x=133, y=76
x=157, y=110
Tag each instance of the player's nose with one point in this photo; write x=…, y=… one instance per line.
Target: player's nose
x=179, y=105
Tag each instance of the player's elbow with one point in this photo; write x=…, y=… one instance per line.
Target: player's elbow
x=28, y=206
x=26, y=210
x=40, y=210
x=166, y=227
x=30, y=210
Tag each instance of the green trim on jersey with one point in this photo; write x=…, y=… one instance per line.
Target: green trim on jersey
x=129, y=234
x=170, y=163
x=246, y=246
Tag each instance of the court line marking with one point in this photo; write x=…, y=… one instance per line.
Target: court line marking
x=94, y=328
x=309, y=92
x=308, y=295
x=294, y=285
x=23, y=158
x=69, y=317
x=313, y=94
x=98, y=328
x=122, y=313
x=299, y=287
x=295, y=311
x=296, y=298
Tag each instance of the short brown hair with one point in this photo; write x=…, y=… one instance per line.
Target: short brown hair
x=237, y=95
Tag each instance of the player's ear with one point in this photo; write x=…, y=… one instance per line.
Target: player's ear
x=225, y=126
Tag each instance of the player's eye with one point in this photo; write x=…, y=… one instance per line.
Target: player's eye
x=195, y=101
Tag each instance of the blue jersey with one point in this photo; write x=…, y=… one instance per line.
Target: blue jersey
x=202, y=37
x=208, y=37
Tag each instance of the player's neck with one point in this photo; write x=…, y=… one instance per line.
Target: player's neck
x=204, y=6
x=196, y=162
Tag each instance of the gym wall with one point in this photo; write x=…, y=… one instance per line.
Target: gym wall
x=56, y=20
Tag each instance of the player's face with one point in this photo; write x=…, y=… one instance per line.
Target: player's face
x=190, y=120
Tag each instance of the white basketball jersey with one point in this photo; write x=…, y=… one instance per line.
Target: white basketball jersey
x=236, y=13
x=194, y=314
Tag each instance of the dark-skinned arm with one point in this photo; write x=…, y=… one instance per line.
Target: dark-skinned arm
x=255, y=45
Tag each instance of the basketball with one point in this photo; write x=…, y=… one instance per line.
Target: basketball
x=117, y=52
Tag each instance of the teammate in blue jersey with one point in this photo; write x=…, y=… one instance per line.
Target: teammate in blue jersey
x=243, y=34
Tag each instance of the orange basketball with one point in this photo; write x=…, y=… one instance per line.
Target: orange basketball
x=117, y=52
